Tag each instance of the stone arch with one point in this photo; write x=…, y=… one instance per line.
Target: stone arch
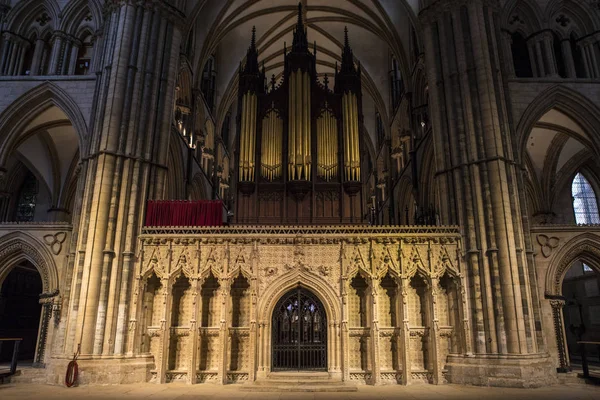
x=529, y=15
x=279, y=288
x=284, y=284
x=566, y=100
x=18, y=246
x=75, y=12
x=23, y=14
x=24, y=109
x=585, y=247
x=581, y=15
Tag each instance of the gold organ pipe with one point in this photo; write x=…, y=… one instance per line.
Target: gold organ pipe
x=292, y=126
x=346, y=136
x=269, y=171
x=334, y=146
x=307, y=133
x=249, y=139
x=243, y=139
x=356, y=138
x=247, y=145
x=254, y=124
x=350, y=136
x=298, y=122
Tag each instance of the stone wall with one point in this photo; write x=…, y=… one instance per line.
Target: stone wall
x=203, y=300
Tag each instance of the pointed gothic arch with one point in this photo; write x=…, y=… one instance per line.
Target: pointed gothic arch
x=566, y=100
x=24, y=109
x=17, y=247
x=23, y=14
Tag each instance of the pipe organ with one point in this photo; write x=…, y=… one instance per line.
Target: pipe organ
x=299, y=143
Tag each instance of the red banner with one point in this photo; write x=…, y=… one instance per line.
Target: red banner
x=184, y=213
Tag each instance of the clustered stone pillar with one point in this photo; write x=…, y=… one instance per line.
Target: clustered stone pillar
x=14, y=50
x=477, y=175
x=126, y=163
x=590, y=59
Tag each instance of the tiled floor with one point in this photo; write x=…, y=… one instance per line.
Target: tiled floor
x=184, y=392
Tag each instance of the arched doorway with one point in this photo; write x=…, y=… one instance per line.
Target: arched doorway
x=581, y=313
x=299, y=333
x=20, y=311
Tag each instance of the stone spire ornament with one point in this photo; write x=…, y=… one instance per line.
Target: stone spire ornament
x=300, y=42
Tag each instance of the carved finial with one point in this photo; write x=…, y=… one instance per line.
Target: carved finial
x=326, y=82
x=300, y=42
x=253, y=40
x=346, y=41
x=273, y=82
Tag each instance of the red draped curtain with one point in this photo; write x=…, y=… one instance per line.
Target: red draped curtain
x=184, y=213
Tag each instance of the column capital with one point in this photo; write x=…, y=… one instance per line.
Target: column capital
x=557, y=303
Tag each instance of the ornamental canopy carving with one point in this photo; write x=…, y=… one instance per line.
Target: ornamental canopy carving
x=328, y=253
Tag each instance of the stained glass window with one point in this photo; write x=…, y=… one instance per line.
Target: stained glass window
x=27, y=198
x=585, y=205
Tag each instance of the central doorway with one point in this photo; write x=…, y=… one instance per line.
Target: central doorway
x=299, y=333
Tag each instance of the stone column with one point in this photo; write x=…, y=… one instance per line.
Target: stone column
x=549, y=57
x=374, y=286
x=535, y=55
x=561, y=338
x=225, y=323
x=166, y=298
x=592, y=67
x=6, y=49
x=195, y=323
x=403, y=285
x=434, y=333
x=42, y=339
x=37, y=57
x=509, y=64
x=75, y=45
x=345, y=338
x=477, y=175
x=12, y=56
x=55, y=55
x=567, y=53
x=23, y=47
x=138, y=63
x=253, y=329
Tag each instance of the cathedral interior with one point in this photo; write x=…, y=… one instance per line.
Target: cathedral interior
x=381, y=191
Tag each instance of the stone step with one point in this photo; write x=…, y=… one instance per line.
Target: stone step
x=295, y=376
x=29, y=375
x=292, y=382
x=313, y=387
x=299, y=382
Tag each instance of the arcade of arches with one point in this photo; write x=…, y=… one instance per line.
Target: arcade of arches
x=409, y=188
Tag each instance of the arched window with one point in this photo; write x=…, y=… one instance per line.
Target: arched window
x=27, y=198
x=396, y=83
x=209, y=80
x=585, y=205
x=520, y=53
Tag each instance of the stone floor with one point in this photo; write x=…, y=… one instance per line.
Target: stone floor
x=185, y=392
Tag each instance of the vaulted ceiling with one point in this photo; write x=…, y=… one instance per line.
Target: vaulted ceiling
x=378, y=30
